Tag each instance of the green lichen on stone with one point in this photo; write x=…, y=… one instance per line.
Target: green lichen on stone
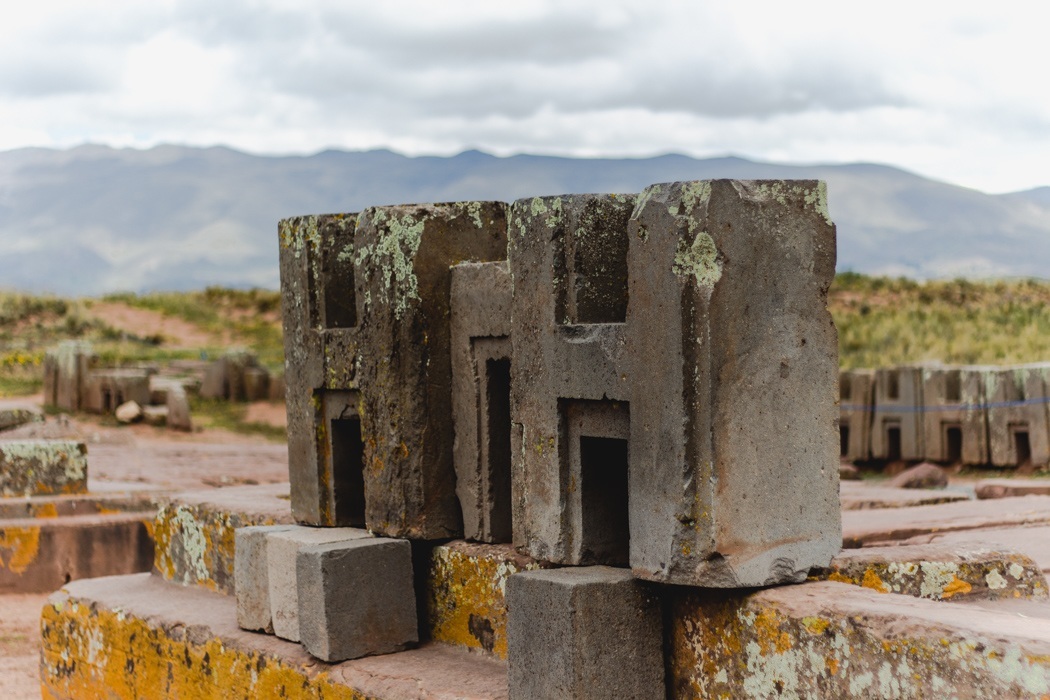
x=698, y=260
x=393, y=255
x=474, y=211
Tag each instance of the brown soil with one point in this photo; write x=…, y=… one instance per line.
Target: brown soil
x=268, y=413
x=176, y=332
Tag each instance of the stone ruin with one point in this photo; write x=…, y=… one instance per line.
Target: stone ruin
x=632, y=389
x=968, y=415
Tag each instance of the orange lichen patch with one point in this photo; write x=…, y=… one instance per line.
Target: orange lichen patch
x=956, y=586
x=46, y=510
x=19, y=547
x=466, y=605
x=836, y=576
x=91, y=653
x=871, y=580
x=768, y=633
x=815, y=625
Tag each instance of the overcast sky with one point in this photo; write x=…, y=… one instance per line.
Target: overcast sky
x=953, y=90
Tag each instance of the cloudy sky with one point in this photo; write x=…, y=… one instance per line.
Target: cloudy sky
x=952, y=90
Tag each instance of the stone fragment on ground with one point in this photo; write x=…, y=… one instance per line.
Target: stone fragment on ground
x=922, y=476
x=1004, y=488
x=869, y=526
x=129, y=412
x=14, y=417
x=864, y=495
x=939, y=571
x=848, y=472
x=178, y=408
x=155, y=415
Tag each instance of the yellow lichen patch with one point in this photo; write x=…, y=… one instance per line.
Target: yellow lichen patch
x=871, y=580
x=769, y=635
x=92, y=653
x=466, y=605
x=815, y=625
x=840, y=578
x=956, y=586
x=19, y=547
x=46, y=510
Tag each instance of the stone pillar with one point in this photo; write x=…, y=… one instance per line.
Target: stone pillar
x=1018, y=419
x=897, y=431
x=855, y=404
x=733, y=364
x=955, y=420
x=570, y=383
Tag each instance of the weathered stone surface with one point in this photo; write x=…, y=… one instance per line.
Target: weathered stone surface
x=137, y=636
x=921, y=476
x=98, y=502
x=1004, y=488
x=954, y=416
x=939, y=571
x=568, y=260
x=155, y=415
x=128, y=412
x=105, y=390
x=831, y=640
x=251, y=576
x=178, y=405
x=356, y=598
x=282, y=551
x=733, y=441
x=481, y=376
x=66, y=370
x=42, y=554
x=39, y=467
x=860, y=527
x=277, y=388
x=225, y=377
x=366, y=303
x=856, y=399
x=863, y=495
x=583, y=632
x=1032, y=540
x=898, y=432
x=14, y=417
x=466, y=585
x=256, y=383
x=1018, y=415
x=195, y=533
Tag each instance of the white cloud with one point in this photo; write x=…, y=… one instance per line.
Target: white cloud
x=953, y=91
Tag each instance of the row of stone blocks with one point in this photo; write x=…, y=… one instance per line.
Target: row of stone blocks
x=631, y=380
x=972, y=415
x=573, y=633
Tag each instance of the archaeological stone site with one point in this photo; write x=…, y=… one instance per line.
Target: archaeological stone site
x=584, y=446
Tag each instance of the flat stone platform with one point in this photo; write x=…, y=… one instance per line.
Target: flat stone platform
x=139, y=636
x=862, y=495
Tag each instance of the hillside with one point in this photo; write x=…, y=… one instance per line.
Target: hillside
x=94, y=220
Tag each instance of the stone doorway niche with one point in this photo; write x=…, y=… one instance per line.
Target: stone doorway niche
x=343, y=454
x=595, y=467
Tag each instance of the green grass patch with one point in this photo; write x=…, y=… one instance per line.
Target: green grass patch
x=229, y=415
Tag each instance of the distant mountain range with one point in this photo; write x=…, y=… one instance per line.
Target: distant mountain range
x=95, y=219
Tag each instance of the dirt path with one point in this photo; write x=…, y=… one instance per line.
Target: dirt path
x=176, y=332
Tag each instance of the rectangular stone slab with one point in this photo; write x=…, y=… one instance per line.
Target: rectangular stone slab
x=583, y=632
x=734, y=377
x=42, y=467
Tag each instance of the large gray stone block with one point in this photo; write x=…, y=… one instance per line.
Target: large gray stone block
x=733, y=365
x=897, y=431
x=368, y=365
x=1018, y=415
x=356, y=598
x=282, y=550
x=41, y=467
x=481, y=380
x=251, y=580
x=583, y=633
x=570, y=379
x=855, y=414
x=954, y=415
